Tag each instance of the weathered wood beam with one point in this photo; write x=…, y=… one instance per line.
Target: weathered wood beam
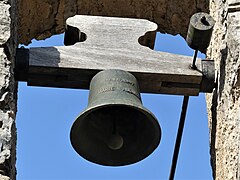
x=111, y=43
x=48, y=67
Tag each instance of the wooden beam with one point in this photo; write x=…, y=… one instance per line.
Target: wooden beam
x=113, y=43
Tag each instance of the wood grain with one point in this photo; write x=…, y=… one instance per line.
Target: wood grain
x=113, y=43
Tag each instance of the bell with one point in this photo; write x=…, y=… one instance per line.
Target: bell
x=115, y=129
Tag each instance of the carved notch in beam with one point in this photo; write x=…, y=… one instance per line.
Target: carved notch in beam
x=111, y=43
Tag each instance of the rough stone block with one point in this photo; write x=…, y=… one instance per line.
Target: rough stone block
x=224, y=104
x=4, y=22
x=7, y=117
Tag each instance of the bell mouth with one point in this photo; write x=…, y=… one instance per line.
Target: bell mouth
x=115, y=134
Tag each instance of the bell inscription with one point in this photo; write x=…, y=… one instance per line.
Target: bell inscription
x=121, y=80
x=127, y=90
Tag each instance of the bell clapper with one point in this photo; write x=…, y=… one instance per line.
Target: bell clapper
x=115, y=142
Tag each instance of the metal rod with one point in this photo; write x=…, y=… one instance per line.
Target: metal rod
x=194, y=60
x=179, y=137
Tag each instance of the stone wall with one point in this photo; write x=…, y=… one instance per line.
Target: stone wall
x=41, y=19
x=224, y=104
x=7, y=90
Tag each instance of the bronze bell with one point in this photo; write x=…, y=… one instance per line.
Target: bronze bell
x=115, y=129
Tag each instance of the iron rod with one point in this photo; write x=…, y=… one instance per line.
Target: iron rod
x=179, y=137
x=194, y=60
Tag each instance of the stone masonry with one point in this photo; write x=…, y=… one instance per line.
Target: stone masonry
x=7, y=90
x=224, y=103
x=22, y=24
x=171, y=15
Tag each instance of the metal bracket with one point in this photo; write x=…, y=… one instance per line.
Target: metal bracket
x=208, y=80
x=113, y=43
x=21, y=64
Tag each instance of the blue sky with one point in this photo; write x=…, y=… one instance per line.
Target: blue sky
x=45, y=116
